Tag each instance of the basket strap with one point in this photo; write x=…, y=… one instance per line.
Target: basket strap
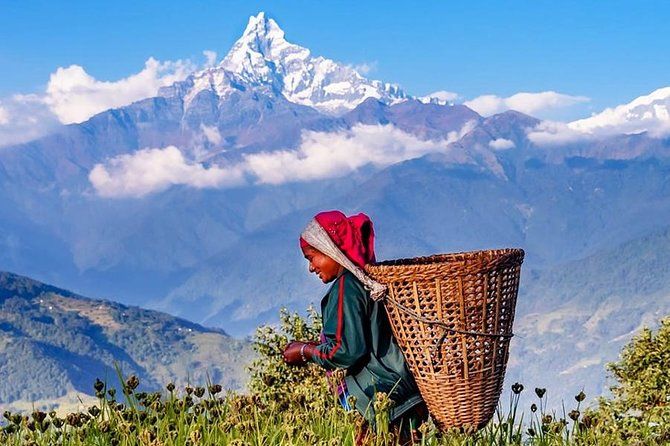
x=441, y=324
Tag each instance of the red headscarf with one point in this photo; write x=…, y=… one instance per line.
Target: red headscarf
x=354, y=235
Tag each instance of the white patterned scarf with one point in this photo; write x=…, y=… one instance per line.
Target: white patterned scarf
x=317, y=237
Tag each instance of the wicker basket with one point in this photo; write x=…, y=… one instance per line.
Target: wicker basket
x=452, y=316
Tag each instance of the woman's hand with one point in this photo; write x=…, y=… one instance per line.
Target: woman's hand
x=298, y=353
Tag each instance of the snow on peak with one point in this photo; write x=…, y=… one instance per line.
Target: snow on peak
x=650, y=113
x=263, y=57
x=439, y=97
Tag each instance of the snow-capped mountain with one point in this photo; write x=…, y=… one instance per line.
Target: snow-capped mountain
x=262, y=57
x=650, y=113
x=227, y=255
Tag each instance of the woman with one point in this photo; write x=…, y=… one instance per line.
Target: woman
x=356, y=333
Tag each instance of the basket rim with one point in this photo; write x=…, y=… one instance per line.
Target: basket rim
x=456, y=257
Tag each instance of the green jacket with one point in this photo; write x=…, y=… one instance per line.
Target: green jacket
x=358, y=338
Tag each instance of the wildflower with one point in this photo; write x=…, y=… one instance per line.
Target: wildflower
x=52, y=414
x=170, y=387
x=72, y=419
x=587, y=420
x=7, y=414
x=39, y=416
x=531, y=432
x=142, y=398
x=199, y=392
x=188, y=389
x=540, y=392
x=93, y=410
x=131, y=383
x=98, y=385
x=44, y=426
x=533, y=407
x=147, y=437
x=547, y=419
x=517, y=388
x=111, y=393
x=580, y=396
x=574, y=415
x=215, y=388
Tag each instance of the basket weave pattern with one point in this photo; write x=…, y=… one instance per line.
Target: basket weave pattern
x=452, y=316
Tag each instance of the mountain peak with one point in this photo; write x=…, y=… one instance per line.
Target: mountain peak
x=263, y=58
x=261, y=25
x=649, y=113
x=263, y=36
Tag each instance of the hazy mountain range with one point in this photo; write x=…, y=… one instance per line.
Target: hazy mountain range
x=54, y=344
x=191, y=202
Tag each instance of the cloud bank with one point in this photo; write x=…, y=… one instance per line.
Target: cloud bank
x=646, y=114
x=154, y=170
x=24, y=118
x=4, y=116
x=501, y=144
x=320, y=155
x=649, y=113
x=529, y=103
x=72, y=96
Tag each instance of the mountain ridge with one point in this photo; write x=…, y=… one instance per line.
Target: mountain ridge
x=54, y=343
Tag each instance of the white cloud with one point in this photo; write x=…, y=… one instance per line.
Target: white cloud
x=74, y=95
x=365, y=68
x=552, y=133
x=320, y=155
x=210, y=58
x=501, y=144
x=4, y=116
x=439, y=97
x=649, y=113
x=211, y=134
x=529, y=103
x=153, y=170
x=24, y=118
x=329, y=155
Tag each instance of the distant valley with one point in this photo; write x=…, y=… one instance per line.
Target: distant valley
x=54, y=344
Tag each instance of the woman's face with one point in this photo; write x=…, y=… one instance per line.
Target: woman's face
x=320, y=264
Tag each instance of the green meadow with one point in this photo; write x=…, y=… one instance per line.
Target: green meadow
x=294, y=406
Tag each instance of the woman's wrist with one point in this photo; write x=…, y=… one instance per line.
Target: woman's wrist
x=302, y=353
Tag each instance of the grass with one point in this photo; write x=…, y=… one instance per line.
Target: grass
x=293, y=406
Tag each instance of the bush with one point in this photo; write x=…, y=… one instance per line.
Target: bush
x=639, y=409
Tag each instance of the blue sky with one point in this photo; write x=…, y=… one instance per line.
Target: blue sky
x=608, y=51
